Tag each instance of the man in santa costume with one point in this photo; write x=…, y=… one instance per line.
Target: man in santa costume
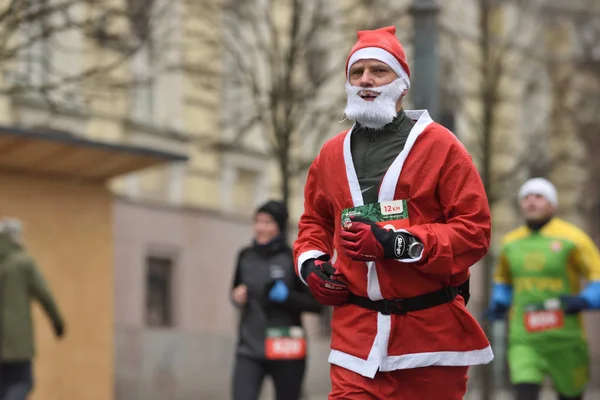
x=399, y=201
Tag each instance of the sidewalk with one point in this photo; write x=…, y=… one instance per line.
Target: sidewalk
x=503, y=395
x=547, y=394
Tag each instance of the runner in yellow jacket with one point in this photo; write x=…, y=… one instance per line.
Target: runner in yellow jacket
x=538, y=277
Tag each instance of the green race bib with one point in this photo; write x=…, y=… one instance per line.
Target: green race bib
x=394, y=213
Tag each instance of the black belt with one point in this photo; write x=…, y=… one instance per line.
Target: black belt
x=464, y=290
x=403, y=306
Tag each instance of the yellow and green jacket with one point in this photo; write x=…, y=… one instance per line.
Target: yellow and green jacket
x=535, y=266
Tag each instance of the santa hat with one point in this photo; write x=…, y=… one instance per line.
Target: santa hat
x=539, y=186
x=383, y=45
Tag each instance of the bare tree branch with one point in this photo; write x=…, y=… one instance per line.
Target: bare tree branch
x=280, y=68
x=32, y=39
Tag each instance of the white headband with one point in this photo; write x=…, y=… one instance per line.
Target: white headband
x=382, y=55
x=540, y=186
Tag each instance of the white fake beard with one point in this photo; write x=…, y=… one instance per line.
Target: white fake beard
x=379, y=112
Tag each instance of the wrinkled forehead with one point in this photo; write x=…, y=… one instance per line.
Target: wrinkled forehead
x=369, y=63
x=369, y=55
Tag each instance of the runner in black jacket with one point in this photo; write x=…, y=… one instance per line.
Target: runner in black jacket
x=271, y=298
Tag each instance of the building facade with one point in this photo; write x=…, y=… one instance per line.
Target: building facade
x=185, y=90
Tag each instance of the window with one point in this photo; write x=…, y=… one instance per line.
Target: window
x=143, y=88
x=244, y=183
x=35, y=54
x=159, y=291
x=245, y=190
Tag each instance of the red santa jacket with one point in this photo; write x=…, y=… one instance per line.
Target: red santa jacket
x=448, y=212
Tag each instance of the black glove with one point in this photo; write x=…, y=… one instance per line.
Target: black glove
x=59, y=329
x=319, y=275
x=574, y=304
x=364, y=240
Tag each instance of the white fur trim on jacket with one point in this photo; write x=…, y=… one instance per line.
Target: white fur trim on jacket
x=379, y=360
x=307, y=255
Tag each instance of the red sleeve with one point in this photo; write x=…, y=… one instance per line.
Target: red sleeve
x=454, y=246
x=316, y=226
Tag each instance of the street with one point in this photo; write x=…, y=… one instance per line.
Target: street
x=504, y=395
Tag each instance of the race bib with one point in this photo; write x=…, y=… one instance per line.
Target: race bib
x=285, y=343
x=389, y=214
x=544, y=320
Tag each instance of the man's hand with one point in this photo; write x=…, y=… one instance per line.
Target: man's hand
x=574, y=304
x=240, y=294
x=364, y=240
x=319, y=275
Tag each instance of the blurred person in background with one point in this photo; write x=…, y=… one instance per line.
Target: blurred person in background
x=20, y=282
x=395, y=214
x=272, y=340
x=537, y=281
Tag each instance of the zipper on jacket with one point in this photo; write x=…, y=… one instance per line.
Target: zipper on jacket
x=365, y=153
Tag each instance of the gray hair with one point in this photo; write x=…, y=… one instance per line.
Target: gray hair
x=11, y=226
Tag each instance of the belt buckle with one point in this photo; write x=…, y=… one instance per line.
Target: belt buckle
x=391, y=305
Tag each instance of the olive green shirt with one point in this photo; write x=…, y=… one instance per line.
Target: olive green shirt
x=374, y=150
x=20, y=283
